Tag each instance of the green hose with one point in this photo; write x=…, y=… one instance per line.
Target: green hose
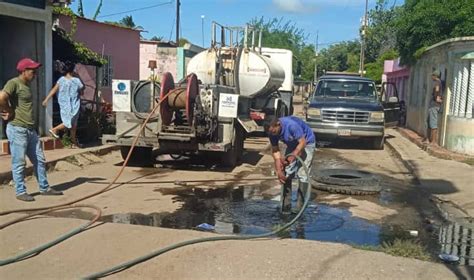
x=138, y=260
x=44, y=246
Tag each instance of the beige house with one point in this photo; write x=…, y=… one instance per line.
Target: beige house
x=168, y=57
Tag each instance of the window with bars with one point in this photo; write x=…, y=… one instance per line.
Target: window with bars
x=107, y=72
x=462, y=98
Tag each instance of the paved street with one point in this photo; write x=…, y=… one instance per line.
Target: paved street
x=154, y=194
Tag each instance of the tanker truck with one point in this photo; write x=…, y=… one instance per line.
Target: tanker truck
x=230, y=90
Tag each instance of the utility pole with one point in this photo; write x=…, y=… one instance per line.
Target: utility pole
x=316, y=57
x=202, y=29
x=362, y=41
x=177, y=22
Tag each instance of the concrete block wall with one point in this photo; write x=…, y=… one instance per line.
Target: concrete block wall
x=443, y=56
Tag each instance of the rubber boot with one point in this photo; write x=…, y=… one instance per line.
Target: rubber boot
x=302, y=189
x=286, y=197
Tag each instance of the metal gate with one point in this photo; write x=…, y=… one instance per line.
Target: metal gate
x=461, y=104
x=456, y=239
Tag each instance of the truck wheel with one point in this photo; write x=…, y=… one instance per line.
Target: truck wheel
x=346, y=181
x=378, y=143
x=234, y=154
x=140, y=155
x=282, y=110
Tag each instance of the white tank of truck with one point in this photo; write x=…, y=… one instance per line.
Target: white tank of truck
x=258, y=74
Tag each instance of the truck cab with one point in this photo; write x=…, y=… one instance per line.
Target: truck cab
x=348, y=106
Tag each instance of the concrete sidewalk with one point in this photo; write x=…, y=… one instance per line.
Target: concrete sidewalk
x=448, y=180
x=52, y=157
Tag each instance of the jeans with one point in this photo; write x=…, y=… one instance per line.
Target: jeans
x=24, y=141
x=295, y=167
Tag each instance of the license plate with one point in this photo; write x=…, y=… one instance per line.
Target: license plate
x=344, y=132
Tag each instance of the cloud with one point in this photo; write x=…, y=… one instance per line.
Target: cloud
x=295, y=6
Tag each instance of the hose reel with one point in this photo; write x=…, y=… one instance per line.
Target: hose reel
x=181, y=97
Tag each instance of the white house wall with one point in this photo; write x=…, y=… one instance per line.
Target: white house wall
x=455, y=123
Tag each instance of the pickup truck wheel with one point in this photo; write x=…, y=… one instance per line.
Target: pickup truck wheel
x=378, y=143
x=140, y=155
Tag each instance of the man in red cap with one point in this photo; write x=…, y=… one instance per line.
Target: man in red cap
x=16, y=107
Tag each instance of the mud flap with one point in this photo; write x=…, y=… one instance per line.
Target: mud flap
x=248, y=124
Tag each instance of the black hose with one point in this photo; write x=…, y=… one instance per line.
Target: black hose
x=161, y=251
x=49, y=244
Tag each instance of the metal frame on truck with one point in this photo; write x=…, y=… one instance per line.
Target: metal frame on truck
x=230, y=90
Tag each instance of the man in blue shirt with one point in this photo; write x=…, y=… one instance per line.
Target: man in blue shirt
x=300, y=141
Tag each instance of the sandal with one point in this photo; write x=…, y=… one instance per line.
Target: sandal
x=53, y=134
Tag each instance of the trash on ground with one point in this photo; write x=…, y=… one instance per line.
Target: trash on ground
x=449, y=258
x=205, y=227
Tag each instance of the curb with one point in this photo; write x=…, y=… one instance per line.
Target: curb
x=416, y=178
x=438, y=152
x=405, y=162
x=6, y=177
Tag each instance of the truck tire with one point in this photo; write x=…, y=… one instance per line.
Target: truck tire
x=378, y=143
x=139, y=156
x=234, y=154
x=282, y=110
x=346, y=181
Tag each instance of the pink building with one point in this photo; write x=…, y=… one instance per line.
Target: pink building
x=397, y=74
x=120, y=46
x=164, y=54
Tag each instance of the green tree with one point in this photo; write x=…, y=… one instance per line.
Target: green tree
x=278, y=33
x=97, y=11
x=343, y=56
x=381, y=30
x=80, y=9
x=156, y=38
x=127, y=21
x=423, y=23
x=182, y=42
x=374, y=70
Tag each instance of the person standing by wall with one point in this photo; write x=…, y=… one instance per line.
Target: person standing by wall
x=300, y=141
x=16, y=104
x=434, y=108
x=70, y=89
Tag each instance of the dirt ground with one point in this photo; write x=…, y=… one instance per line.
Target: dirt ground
x=108, y=244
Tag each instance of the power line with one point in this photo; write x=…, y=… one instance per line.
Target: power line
x=138, y=9
x=172, y=28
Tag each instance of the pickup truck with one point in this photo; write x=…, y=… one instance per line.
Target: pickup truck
x=347, y=106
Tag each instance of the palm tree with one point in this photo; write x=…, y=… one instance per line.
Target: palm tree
x=127, y=21
x=80, y=9
x=156, y=38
